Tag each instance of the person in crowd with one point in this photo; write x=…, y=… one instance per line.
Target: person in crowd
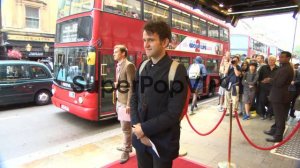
x=295, y=84
x=233, y=73
x=223, y=66
x=125, y=71
x=245, y=68
x=264, y=88
x=197, y=74
x=249, y=82
x=260, y=61
x=155, y=115
x=280, y=98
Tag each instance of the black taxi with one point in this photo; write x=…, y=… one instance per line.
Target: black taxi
x=24, y=81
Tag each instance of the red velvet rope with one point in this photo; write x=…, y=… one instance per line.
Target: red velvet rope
x=271, y=147
x=205, y=134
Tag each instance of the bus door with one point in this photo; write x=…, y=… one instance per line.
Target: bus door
x=106, y=81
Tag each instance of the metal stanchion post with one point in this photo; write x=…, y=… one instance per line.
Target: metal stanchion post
x=228, y=164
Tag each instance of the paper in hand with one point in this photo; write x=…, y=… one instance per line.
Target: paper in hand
x=154, y=148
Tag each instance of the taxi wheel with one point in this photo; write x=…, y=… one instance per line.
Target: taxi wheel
x=42, y=97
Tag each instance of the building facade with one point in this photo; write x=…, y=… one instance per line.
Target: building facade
x=27, y=29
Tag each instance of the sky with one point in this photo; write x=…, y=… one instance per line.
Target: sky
x=280, y=27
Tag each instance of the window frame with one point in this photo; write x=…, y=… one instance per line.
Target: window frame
x=32, y=18
x=157, y=5
x=41, y=68
x=214, y=25
x=183, y=15
x=13, y=78
x=121, y=14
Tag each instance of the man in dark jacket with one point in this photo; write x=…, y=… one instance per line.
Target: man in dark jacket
x=264, y=88
x=280, y=97
x=156, y=112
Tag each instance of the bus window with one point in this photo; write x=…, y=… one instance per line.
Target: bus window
x=199, y=26
x=212, y=66
x=154, y=10
x=144, y=57
x=213, y=30
x=70, y=7
x=183, y=60
x=223, y=34
x=129, y=8
x=181, y=20
x=132, y=58
x=75, y=30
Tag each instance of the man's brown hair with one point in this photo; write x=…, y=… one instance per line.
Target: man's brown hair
x=122, y=48
x=160, y=27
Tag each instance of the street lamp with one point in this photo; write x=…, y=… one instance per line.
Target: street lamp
x=46, y=47
x=28, y=49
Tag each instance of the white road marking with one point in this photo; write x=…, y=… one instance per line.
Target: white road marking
x=7, y=118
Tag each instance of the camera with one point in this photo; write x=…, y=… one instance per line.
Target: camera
x=233, y=61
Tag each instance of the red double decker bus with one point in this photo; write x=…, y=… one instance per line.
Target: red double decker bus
x=87, y=31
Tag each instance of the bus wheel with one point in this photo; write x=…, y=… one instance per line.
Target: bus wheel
x=42, y=97
x=212, y=89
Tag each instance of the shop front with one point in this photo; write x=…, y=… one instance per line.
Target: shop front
x=26, y=47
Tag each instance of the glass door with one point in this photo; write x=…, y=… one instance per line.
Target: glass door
x=107, y=79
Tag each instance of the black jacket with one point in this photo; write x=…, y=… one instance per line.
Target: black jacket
x=156, y=109
x=280, y=83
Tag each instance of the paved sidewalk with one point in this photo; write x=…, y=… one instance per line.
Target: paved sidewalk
x=208, y=150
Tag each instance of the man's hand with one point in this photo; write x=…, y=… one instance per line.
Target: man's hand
x=137, y=130
x=266, y=80
x=146, y=141
x=127, y=109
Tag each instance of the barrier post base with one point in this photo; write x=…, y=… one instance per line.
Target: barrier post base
x=225, y=164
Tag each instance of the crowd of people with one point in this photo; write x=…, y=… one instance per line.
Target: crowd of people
x=260, y=84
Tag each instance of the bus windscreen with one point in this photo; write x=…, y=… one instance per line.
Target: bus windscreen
x=74, y=64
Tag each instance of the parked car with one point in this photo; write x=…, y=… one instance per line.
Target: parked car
x=24, y=81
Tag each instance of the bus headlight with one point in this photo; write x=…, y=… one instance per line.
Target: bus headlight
x=53, y=91
x=80, y=100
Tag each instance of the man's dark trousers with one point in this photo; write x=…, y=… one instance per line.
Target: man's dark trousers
x=281, y=111
x=146, y=160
